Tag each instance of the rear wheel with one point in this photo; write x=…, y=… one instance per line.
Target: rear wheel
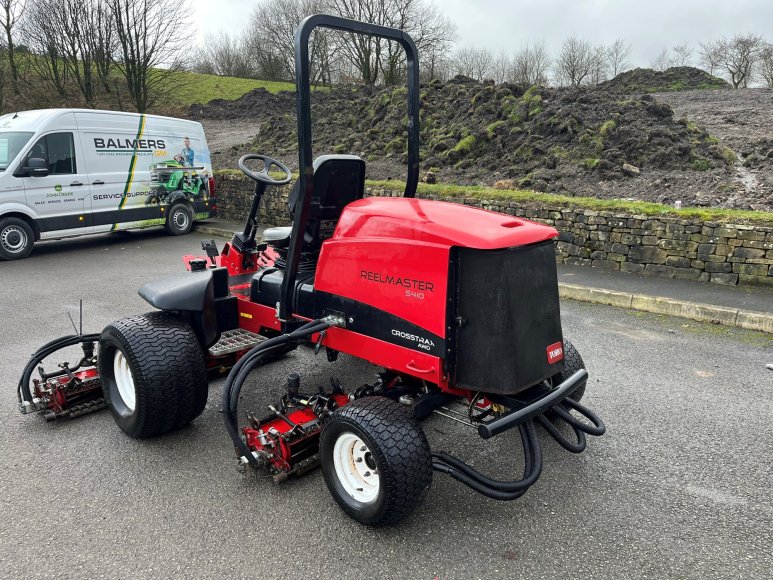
x=376, y=461
x=153, y=373
x=572, y=364
x=16, y=238
x=179, y=221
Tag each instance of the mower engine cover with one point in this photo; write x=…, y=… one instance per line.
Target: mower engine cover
x=474, y=288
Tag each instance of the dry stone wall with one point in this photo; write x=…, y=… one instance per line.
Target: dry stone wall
x=665, y=246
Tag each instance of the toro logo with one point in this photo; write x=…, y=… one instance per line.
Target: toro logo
x=555, y=352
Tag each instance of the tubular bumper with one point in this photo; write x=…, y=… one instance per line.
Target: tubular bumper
x=519, y=416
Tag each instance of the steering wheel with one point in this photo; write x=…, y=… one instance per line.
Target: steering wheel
x=263, y=176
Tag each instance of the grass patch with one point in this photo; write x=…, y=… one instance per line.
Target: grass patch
x=491, y=129
x=465, y=145
x=551, y=200
x=193, y=87
x=607, y=127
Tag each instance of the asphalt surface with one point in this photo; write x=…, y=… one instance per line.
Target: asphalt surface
x=679, y=487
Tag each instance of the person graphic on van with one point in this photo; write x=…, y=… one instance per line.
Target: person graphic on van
x=187, y=153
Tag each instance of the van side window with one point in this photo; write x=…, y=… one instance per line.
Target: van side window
x=58, y=149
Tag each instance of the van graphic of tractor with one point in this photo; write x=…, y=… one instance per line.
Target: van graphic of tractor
x=172, y=180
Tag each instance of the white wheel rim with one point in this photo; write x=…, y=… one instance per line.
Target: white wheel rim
x=355, y=468
x=180, y=219
x=13, y=239
x=124, y=380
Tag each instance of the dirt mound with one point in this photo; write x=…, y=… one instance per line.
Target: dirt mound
x=590, y=142
x=680, y=78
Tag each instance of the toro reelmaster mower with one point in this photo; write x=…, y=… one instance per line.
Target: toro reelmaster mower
x=458, y=305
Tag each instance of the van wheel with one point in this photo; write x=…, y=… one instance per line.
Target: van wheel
x=16, y=239
x=179, y=220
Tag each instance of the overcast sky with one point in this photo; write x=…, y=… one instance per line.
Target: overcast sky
x=649, y=25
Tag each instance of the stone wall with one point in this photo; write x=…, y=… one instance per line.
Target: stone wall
x=665, y=246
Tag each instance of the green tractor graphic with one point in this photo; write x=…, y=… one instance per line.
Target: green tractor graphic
x=172, y=180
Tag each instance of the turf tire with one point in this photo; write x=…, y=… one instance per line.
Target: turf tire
x=168, y=371
x=399, y=449
x=572, y=364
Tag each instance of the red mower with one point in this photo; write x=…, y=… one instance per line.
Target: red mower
x=458, y=305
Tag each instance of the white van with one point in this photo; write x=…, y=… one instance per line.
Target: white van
x=69, y=172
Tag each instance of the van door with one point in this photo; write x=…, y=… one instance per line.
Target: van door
x=60, y=197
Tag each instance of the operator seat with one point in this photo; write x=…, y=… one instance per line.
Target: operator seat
x=338, y=181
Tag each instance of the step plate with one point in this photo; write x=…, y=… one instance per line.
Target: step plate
x=234, y=341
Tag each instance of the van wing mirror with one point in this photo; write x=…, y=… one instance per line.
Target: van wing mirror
x=36, y=167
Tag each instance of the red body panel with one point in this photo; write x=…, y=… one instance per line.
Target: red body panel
x=393, y=253
x=436, y=222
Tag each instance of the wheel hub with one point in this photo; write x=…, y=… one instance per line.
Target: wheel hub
x=180, y=219
x=124, y=380
x=356, y=468
x=13, y=239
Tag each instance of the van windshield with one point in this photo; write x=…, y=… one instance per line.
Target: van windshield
x=10, y=145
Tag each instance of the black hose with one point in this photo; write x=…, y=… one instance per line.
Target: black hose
x=532, y=457
x=598, y=427
x=23, y=389
x=240, y=371
x=577, y=447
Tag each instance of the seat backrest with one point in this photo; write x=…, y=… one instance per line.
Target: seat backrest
x=338, y=181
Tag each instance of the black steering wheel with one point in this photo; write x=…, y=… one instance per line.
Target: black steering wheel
x=263, y=176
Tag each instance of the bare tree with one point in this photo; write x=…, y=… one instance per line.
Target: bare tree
x=225, y=55
x=598, y=72
x=575, y=62
x=475, y=63
x=766, y=66
x=102, y=41
x=150, y=45
x=530, y=65
x=738, y=55
x=2, y=79
x=432, y=32
x=501, y=67
x=709, y=56
x=72, y=19
x=11, y=12
x=662, y=61
x=618, y=54
x=434, y=35
x=681, y=55
x=41, y=32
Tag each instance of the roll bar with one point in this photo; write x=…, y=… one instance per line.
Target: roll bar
x=305, y=161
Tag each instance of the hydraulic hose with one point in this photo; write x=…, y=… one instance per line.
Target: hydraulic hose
x=598, y=427
x=23, y=389
x=250, y=361
x=532, y=454
x=492, y=488
x=577, y=447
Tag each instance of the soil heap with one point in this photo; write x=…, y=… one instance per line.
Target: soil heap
x=581, y=141
x=647, y=80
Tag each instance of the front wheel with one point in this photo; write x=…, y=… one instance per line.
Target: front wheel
x=376, y=461
x=179, y=221
x=16, y=238
x=153, y=373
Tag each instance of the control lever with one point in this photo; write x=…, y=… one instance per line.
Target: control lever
x=210, y=247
